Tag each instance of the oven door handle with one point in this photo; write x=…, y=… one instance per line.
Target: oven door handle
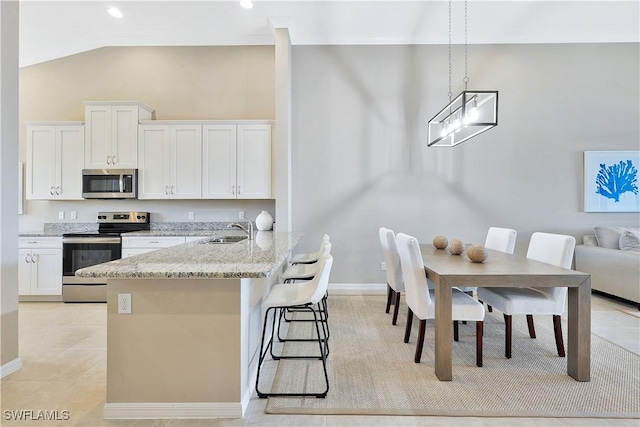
x=121, y=182
x=89, y=240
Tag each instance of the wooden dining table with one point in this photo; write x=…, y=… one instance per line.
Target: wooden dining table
x=505, y=270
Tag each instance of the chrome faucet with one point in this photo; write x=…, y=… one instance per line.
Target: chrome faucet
x=248, y=230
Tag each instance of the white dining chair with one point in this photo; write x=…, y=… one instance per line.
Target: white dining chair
x=421, y=299
x=498, y=239
x=303, y=296
x=556, y=249
x=310, y=257
x=395, y=282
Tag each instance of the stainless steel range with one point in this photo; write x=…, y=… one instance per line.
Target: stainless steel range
x=80, y=250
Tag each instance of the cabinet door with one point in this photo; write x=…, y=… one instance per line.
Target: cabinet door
x=24, y=271
x=124, y=136
x=70, y=145
x=46, y=272
x=153, y=172
x=126, y=253
x=186, y=162
x=219, y=161
x=98, y=128
x=41, y=162
x=254, y=162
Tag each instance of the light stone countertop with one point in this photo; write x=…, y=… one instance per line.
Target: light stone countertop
x=40, y=234
x=183, y=232
x=256, y=258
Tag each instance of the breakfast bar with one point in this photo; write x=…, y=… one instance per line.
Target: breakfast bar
x=184, y=323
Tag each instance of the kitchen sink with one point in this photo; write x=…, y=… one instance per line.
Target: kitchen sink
x=223, y=239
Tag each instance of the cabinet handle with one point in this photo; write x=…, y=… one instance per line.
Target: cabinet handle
x=34, y=258
x=233, y=189
x=173, y=190
x=238, y=189
x=154, y=241
x=51, y=191
x=26, y=258
x=166, y=189
x=108, y=160
x=58, y=191
x=113, y=160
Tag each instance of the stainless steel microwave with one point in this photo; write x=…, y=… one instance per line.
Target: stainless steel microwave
x=110, y=183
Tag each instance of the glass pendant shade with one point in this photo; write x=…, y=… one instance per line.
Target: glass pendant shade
x=469, y=114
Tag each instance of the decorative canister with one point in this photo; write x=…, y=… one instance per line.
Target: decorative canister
x=264, y=221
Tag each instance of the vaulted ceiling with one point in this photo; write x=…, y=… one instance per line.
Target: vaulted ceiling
x=53, y=29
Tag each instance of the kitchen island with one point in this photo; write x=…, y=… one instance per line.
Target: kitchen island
x=188, y=349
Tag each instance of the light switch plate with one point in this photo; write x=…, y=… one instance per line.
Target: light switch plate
x=60, y=214
x=74, y=215
x=241, y=215
x=191, y=215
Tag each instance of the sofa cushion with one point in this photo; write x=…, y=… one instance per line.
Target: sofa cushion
x=609, y=237
x=630, y=241
x=589, y=240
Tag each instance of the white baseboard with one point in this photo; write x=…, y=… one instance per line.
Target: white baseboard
x=358, y=288
x=194, y=410
x=10, y=367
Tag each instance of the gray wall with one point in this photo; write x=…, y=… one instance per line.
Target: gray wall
x=360, y=159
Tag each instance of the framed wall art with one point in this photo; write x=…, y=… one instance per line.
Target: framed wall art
x=611, y=181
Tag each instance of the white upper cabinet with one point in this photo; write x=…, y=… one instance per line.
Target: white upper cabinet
x=253, y=175
x=112, y=134
x=55, y=157
x=170, y=164
x=236, y=161
x=219, y=161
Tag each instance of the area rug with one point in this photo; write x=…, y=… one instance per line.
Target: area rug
x=371, y=371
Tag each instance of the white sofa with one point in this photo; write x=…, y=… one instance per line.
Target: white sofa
x=613, y=270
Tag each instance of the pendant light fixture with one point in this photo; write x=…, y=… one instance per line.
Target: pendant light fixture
x=467, y=115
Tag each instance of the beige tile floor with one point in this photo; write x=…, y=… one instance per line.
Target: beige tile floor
x=63, y=351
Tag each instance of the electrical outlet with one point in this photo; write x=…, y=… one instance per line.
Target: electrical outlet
x=74, y=215
x=241, y=215
x=383, y=266
x=124, y=303
x=60, y=214
x=191, y=215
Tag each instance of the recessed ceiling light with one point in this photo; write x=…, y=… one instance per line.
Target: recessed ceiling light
x=247, y=4
x=115, y=12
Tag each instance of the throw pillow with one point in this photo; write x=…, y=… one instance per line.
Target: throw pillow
x=589, y=240
x=630, y=241
x=609, y=237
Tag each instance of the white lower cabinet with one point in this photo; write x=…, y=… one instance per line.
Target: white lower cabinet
x=170, y=165
x=40, y=266
x=136, y=245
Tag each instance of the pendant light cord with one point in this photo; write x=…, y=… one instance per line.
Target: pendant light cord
x=466, y=74
x=450, y=93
